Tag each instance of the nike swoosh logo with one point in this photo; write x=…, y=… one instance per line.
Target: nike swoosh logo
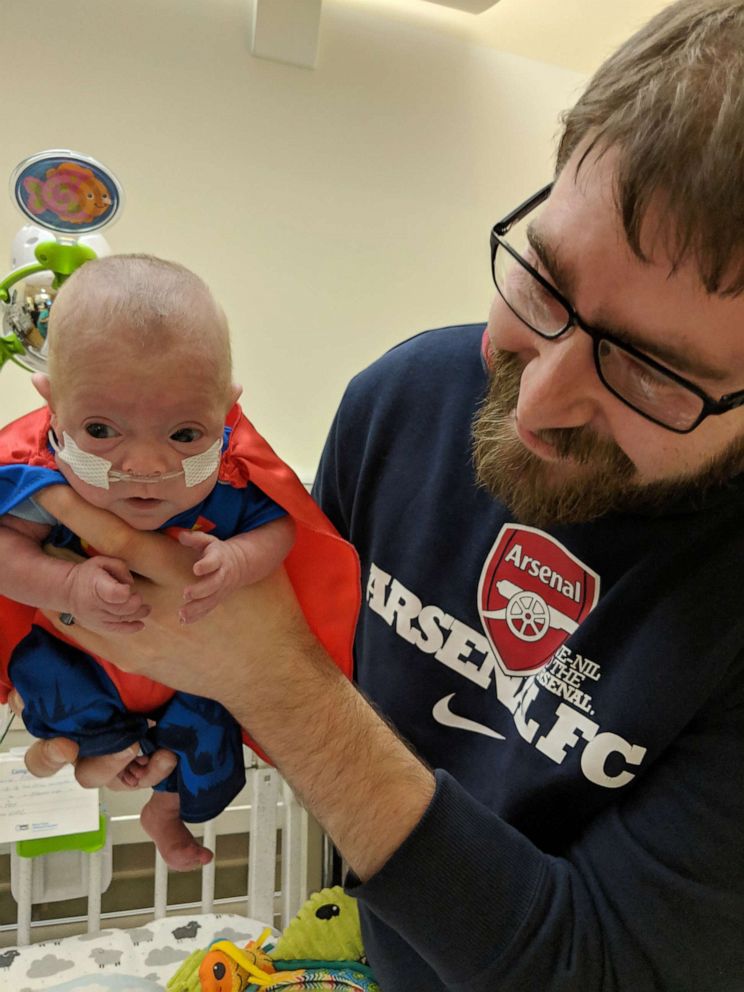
x=444, y=715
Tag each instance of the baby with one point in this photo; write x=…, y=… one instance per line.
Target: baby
x=139, y=391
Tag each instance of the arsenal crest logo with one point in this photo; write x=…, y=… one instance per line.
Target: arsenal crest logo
x=532, y=595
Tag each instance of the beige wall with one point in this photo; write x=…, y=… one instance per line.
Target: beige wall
x=334, y=211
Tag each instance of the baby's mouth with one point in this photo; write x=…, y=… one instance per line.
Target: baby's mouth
x=143, y=502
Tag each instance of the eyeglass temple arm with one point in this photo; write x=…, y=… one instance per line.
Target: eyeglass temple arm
x=732, y=400
x=503, y=226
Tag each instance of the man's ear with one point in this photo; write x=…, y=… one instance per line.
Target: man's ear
x=42, y=386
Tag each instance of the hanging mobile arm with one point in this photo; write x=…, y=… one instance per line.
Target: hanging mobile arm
x=61, y=260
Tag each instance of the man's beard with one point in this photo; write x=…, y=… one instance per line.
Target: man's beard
x=599, y=477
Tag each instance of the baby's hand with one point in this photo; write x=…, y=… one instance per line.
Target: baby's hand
x=220, y=571
x=100, y=594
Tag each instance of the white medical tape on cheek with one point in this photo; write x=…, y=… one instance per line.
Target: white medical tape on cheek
x=87, y=467
x=96, y=471
x=198, y=468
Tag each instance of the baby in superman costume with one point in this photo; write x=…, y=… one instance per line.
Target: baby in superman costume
x=72, y=694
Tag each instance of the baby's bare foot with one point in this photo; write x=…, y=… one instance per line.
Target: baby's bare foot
x=161, y=821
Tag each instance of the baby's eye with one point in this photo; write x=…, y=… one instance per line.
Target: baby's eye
x=100, y=430
x=184, y=435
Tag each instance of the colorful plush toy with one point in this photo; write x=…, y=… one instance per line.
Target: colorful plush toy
x=321, y=948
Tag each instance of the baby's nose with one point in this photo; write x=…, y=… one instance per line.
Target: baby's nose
x=145, y=458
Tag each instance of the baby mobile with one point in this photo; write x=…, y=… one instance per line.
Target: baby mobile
x=68, y=198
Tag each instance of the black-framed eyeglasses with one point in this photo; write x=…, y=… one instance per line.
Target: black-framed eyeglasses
x=652, y=390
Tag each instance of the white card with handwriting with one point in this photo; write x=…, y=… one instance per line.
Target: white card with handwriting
x=32, y=808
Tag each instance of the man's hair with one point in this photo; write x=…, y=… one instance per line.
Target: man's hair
x=670, y=105
x=154, y=301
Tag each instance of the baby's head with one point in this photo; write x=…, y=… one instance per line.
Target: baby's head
x=142, y=309
x=139, y=375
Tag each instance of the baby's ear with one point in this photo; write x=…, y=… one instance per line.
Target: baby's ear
x=42, y=385
x=236, y=391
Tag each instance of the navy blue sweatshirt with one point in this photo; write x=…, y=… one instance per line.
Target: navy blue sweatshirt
x=578, y=690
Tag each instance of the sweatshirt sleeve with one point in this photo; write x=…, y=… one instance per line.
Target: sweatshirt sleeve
x=327, y=489
x=649, y=897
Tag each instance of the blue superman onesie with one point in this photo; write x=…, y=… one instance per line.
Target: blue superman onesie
x=71, y=693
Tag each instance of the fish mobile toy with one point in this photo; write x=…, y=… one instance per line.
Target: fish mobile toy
x=67, y=199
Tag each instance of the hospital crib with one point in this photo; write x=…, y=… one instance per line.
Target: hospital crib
x=280, y=859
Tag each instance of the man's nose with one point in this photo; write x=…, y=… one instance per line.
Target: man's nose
x=559, y=385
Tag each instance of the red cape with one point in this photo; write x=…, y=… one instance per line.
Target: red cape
x=322, y=567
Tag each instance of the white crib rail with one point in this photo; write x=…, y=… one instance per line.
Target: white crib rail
x=277, y=831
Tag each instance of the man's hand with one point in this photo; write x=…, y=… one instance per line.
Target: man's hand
x=218, y=657
x=257, y=656
x=232, y=646
x=101, y=596
x=46, y=758
x=146, y=552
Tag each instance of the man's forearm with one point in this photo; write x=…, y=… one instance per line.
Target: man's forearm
x=345, y=764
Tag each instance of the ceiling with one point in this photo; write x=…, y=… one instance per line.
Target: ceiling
x=471, y=6
x=576, y=34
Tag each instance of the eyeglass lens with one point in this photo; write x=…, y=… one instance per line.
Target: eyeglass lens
x=638, y=384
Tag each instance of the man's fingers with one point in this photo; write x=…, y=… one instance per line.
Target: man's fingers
x=100, y=770
x=45, y=758
x=160, y=765
x=148, y=553
x=116, y=771
x=146, y=772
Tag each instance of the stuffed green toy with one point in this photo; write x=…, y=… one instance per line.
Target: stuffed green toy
x=321, y=948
